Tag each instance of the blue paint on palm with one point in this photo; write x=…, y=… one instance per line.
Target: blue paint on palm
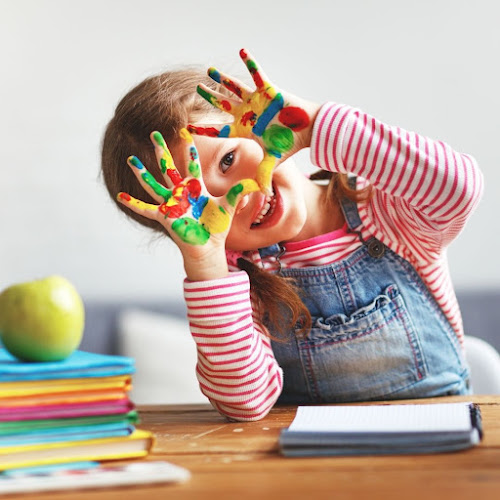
x=225, y=131
x=198, y=205
x=275, y=106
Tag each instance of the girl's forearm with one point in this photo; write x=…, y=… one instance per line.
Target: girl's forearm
x=236, y=367
x=427, y=176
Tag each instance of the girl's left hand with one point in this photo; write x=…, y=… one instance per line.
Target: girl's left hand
x=279, y=122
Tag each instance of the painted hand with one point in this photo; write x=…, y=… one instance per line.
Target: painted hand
x=185, y=208
x=277, y=121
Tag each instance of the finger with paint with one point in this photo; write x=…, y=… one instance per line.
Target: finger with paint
x=217, y=99
x=259, y=77
x=165, y=160
x=156, y=190
x=231, y=84
x=147, y=210
x=194, y=167
x=234, y=195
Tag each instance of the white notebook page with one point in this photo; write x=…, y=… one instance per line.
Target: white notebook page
x=447, y=417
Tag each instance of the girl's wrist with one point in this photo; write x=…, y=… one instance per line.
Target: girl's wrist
x=206, y=267
x=313, y=110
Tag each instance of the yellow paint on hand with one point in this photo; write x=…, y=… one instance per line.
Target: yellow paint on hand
x=258, y=102
x=214, y=218
x=185, y=135
x=249, y=186
x=167, y=158
x=135, y=204
x=265, y=173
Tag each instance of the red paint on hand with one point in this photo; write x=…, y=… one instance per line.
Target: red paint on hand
x=294, y=118
x=231, y=86
x=174, y=176
x=193, y=188
x=249, y=116
x=208, y=131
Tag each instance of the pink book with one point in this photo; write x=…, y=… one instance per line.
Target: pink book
x=118, y=406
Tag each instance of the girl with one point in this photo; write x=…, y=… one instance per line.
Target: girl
x=298, y=291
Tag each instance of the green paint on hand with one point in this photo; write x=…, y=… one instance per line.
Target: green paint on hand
x=233, y=194
x=194, y=169
x=156, y=186
x=190, y=231
x=159, y=139
x=209, y=97
x=251, y=65
x=278, y=139
x=163, y=165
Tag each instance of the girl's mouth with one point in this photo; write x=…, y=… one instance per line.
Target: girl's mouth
x=270, y=212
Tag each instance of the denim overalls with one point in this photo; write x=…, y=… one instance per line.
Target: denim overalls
x=377, y=332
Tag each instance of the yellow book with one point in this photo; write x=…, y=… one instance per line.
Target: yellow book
x=136, y=445
x=34, y=387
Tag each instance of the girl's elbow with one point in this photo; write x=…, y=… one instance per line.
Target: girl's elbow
x=475, y=184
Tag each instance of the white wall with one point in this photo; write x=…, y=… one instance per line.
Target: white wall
x=431, y=66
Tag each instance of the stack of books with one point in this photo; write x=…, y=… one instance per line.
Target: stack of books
x=68, y=411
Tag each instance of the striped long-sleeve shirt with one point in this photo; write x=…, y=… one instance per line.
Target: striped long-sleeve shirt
x=423, y=194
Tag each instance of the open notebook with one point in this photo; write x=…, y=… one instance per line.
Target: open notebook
x=382, y=429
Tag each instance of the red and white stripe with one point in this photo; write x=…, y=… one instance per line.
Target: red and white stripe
x=236, y=368
x=424, y=193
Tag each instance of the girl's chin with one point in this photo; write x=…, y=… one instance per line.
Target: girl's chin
x=253, y=240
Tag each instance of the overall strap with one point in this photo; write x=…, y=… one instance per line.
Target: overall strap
x=350, y=210
x=271, y=250
x=276, y=251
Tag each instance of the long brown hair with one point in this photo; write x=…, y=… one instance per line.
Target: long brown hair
x=168, y=102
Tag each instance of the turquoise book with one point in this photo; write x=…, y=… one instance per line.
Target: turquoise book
x=80, y=364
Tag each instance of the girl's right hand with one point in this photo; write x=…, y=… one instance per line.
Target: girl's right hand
x=196, y=221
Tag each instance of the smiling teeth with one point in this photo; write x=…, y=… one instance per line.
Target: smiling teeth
x=265, y=209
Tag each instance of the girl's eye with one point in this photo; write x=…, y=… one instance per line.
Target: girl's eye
x=227, y=161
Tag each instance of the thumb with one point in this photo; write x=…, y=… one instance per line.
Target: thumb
x=234, y=195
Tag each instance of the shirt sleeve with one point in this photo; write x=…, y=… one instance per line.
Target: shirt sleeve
x=424, y=191
x=236, y=367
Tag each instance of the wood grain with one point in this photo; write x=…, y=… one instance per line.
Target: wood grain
x=236, y=460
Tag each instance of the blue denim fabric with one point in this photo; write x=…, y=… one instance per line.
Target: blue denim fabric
x=377, y=332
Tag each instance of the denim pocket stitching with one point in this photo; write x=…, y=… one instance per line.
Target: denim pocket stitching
x=391, y=296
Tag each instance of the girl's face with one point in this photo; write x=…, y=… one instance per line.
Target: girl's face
x=259, y=221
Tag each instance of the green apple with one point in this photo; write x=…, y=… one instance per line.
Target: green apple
x=41, y=320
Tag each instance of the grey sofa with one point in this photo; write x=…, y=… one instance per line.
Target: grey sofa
x=480, y=311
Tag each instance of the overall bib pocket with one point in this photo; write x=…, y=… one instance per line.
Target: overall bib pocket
x=368, y=355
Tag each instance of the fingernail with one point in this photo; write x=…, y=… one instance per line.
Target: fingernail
x=133, y=160
x=123, y=196
x=158, y=138
x=214, y=74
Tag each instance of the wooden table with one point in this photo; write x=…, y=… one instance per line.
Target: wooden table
x=241, y=460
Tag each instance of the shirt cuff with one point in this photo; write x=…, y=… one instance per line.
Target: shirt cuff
x=217, y=295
